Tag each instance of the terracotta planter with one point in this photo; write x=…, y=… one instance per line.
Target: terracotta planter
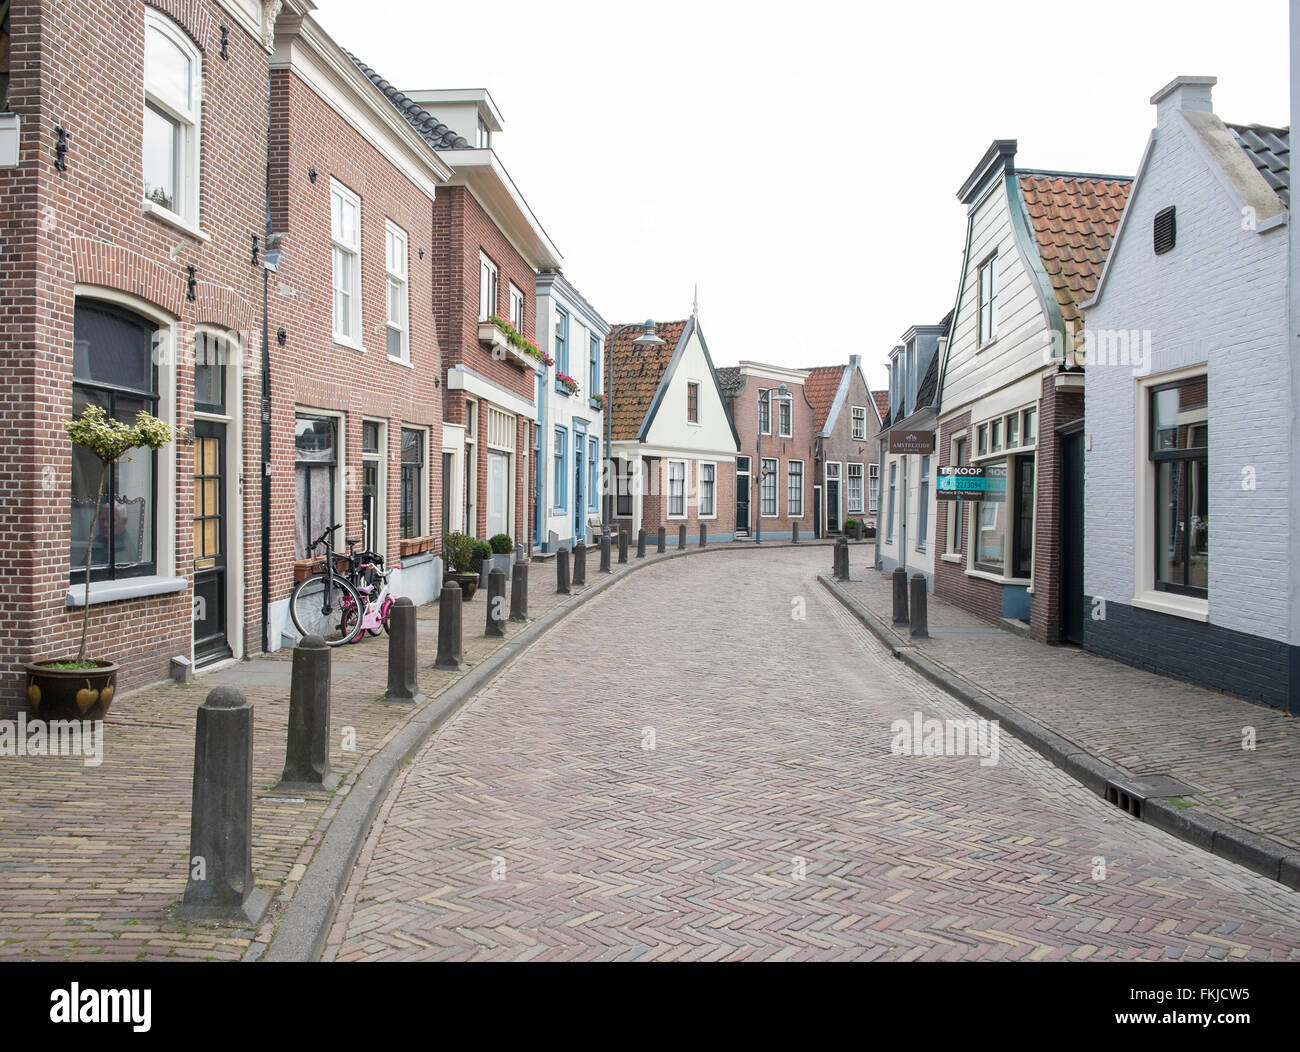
x=70, y=694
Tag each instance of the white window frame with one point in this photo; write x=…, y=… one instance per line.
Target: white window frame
x=668, y=489
x=873, y=489
x=953, y=542
x=989, y=265
x=699, y=499
x=399, y=277
x=189, y=128
x=516, y=298
x=785, y=417
x=350, y=251
x=698, y=387
x=776, y=487
x=426, y=476
x=859, y=418
x=924, y=509
x=381, y=498
x=1145, y=594
x=765, y=398
x=855, y=507
x=487, y=289
x=790, y=511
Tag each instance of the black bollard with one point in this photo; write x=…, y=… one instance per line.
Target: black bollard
x=580, y=565
x=857, y=530
x=681, y=536
x=899, y=578
x=449, y=629
x=220, y=885
x=842, y=559
x=519, y=592
x=794, y=533
x=622, y=547
x=403, y=681
x=662, y=540
x=496, y=604
x=920, y=617
x=604, y=554
x=704, y=534
x=307, y=748
x=835, y=558
x=640, y=543
x=562, y=572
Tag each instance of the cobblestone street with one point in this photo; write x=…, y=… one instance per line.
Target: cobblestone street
x=697, y=765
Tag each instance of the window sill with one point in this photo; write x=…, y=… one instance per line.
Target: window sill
x=951, y=557
x=176, y=222
x=344, y=341
x=1170, y=603
x=126, y=588
x=401, y=361
x=985, y=575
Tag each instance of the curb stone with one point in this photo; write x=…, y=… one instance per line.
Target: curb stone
x=1228, y=841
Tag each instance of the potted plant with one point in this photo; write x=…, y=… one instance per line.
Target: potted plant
x=850, y=527
x=81, y=687
x=501, y=544
x=458, y=550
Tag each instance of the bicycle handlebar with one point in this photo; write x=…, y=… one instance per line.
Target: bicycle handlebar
x=328, y=530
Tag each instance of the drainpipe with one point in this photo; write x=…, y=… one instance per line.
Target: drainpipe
x=266, y=399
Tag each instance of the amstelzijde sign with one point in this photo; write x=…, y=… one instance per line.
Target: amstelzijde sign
x=916, y=440
x=972, y=482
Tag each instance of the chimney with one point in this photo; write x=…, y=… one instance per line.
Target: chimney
x=1183, y=93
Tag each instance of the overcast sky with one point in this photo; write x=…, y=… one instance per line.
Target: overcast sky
x=800, y=160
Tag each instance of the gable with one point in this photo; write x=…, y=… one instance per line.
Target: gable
x=666, y=421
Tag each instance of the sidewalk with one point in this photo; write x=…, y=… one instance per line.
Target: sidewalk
x=93, y=860
x=1131, y=724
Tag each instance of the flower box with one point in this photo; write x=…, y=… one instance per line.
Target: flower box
x=493, y=337
x=415, y=545
x=597, y=401
x=566, y=384
x=304, y=568
x=9, y=137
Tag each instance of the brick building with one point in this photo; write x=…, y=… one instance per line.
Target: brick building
x=1010, y=401
x=126, y=229
x=774, y=473
x=488, y=247
x=673, y=447
x=846, y=418
x=356, y=415
x=1189, y=467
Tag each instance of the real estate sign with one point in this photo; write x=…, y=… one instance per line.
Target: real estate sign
x=915, y=440
x=972, y=482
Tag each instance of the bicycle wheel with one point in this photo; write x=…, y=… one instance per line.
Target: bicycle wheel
x=337, y=621
x=383, y=617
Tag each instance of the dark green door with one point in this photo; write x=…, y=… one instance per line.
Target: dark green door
x=210, y=640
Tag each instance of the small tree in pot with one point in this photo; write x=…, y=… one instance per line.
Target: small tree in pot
x=68, y=688
x=458, y=550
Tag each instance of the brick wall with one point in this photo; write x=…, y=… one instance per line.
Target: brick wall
x=1055, y=408
x=80, y=66
x=840, y=446
x=312, y=371
x=743, y=409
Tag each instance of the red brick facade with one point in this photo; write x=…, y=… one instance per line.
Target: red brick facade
x=798, y=446
x=84, y=232
x=463, y=229
x=1056, y=407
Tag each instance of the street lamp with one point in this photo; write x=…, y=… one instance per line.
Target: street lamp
x=782, y=395
x=648, y=338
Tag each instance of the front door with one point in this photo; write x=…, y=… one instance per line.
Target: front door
x=832, y=498
x=497, y=502
x=742, y=496
x=579, y=493
x=1072, y=537
x=210, y=640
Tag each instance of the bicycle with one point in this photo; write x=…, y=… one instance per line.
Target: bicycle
x=370, y=579
x=327, y=604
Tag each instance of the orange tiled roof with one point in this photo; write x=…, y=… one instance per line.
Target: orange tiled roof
x=637, y=372
x=882, y=403
x=1074, y=219
x=820, y=387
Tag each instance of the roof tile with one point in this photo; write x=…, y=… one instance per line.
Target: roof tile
x=637, y=371
x=820, y=387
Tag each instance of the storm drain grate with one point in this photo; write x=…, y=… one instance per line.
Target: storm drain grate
x=1123, y=799
x=1130, y=794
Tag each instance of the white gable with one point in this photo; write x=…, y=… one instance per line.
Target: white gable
x=670, y=428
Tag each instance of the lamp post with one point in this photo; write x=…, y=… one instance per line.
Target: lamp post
x=782, y=395
x=648, y=338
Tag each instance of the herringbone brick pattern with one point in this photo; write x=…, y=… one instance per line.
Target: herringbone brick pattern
x=770, y=820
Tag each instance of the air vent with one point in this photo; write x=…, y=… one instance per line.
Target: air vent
x=1165, y=230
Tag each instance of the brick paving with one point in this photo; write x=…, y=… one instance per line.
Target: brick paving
x=1141, y=722
x=93, y=859
x=770, y=820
